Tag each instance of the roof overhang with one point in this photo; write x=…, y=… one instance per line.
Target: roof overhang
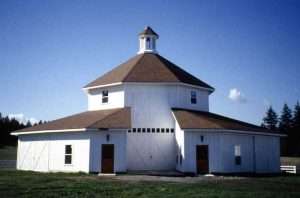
x=235, y=132
x=67, y=130
x=210, y=90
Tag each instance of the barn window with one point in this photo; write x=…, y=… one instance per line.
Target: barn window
x=68, y=154
x=105, y=96
x=237, y=154
x=193, y=97
x=147, y=43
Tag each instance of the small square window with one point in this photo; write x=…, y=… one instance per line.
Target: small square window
x=129, y=131
x=157, y=130
x=162, y=130
x=105, y=96
x=148, y=130
x=153, y=130
x=167, y=130
x=143, y=130
x=193, y=97
x=172, y=130
x=139, y=130
x=134, y=130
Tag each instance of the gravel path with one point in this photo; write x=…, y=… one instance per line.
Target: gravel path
x=136, y=178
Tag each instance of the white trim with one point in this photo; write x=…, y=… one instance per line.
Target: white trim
x=50, y=131
x=148, y=83
x=65, y=130
x=235, y=131
x=115, y=129
x=100, y=86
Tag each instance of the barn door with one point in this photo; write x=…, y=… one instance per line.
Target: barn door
x=107, y=162
x=202, y=159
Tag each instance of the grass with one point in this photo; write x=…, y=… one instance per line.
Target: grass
x=30, y=184
x=8, y=153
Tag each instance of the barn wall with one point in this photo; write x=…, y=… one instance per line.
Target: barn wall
x=45, y=152
x=151, y=151
x=267, y=154
x=191, y=140
x=115, y=98
x=179, y=135
x=259, y=153
x=118, y=138
x=227, y=143
x=151, y=104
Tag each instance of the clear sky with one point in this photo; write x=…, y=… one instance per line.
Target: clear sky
x=50, y=49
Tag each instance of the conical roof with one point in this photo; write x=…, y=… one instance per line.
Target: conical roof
x=148, y=31
x=148, y=67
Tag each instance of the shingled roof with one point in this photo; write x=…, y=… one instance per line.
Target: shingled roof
x=191, y=119
x=148, y=31
x=148, y=67
x=109, y=119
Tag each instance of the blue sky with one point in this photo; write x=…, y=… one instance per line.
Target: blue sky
x=50, y=49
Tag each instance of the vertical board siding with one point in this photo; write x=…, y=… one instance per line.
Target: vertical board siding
x=151, y=151
x=45, y=152
x=259, y=153
x=118, y=139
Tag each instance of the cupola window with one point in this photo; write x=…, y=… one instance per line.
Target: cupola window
x=148, y=43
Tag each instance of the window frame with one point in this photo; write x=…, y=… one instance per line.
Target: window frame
x=237, y=155
x=105, y=96
x=193, y=97
x=68, y=154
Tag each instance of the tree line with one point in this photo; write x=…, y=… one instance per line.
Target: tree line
x=8, y=125
x=287, y=123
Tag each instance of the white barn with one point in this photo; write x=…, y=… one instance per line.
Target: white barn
x=148, y=114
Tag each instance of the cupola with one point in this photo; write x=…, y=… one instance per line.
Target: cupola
x=147, y=40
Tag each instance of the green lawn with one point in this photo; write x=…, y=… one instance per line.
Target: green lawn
x=29, y=184
x=8, y=153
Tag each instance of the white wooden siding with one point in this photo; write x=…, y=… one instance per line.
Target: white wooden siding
x=258, y=153
x=151, y=151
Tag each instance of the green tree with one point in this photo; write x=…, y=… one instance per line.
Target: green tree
x=270, y=121
x=294, y=135
x=286, y=120
x=296, y=118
